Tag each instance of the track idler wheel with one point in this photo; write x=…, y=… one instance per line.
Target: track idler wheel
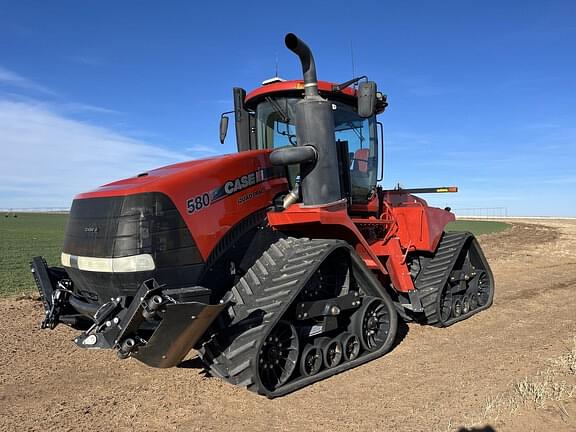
x=311, y=360
x=371, y=323
x=279, y=355
x=350, y=346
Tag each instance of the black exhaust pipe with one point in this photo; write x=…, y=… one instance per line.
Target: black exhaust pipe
x=315, y=128
x=294, y=44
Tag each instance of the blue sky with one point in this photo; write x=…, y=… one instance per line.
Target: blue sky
x=482, y=94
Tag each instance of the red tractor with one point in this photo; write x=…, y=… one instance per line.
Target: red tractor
x=282, y=264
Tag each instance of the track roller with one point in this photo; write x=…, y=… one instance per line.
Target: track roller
x=350, y=346
x=457, y=307
x=331, y=351
x=311, y=360
x=466, y=304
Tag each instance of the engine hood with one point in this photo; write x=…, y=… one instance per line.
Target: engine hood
x=160, y=179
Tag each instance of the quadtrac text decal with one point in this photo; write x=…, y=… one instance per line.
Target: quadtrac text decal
x=231, y=187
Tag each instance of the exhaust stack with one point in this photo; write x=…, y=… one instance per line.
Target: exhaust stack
x=315, y=128
x=302, y=50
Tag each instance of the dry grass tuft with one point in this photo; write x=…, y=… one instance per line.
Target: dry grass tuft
x=555, y=383
x=542, y=388
x=566, y=364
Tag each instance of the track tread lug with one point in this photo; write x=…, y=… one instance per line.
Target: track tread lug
x=237, y=297
x=240, y=367
x=246, y=286
x=241, y=349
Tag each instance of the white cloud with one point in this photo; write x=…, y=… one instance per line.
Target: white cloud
x=80, y=108
x=12, y=79
x=203, y=149
x=48, y=155
x=87, y=60
x=47, y=158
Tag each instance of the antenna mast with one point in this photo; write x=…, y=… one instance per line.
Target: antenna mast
x=276, y=65
x=352, y=60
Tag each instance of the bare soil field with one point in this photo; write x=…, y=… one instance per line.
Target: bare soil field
x=491, y=372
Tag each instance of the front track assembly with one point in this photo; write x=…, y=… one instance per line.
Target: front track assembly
x=306, y=310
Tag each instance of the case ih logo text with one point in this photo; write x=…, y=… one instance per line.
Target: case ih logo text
x=243, y=182
x=231, y=187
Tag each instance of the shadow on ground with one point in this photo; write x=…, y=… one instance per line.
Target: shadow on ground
x=486, y=428
x=193, y=363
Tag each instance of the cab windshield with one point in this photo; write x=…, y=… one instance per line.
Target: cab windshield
x=275, y=129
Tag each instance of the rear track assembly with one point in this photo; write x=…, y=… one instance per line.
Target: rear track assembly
x=456, y=282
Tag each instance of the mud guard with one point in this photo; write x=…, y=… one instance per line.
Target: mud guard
x=181, y=328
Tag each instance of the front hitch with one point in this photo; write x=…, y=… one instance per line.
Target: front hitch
x=157, y=326
x=154, y=328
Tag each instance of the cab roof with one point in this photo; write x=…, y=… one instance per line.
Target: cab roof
x=324, y=87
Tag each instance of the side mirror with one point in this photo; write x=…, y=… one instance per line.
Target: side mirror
x=366, y=99
x=223, y=128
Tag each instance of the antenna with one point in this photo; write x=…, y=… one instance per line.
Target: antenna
x=276, y=74
x=352, y=60
x=276, y=78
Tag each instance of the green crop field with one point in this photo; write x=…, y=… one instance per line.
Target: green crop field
x=21, y=238
x=477, y=227
x=32, y=234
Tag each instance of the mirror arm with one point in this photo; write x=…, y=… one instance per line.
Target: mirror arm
x=348, y=83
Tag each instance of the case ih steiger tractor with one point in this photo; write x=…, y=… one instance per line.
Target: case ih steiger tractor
x=282, y=264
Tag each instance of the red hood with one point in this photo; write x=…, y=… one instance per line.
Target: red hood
x=161, y=179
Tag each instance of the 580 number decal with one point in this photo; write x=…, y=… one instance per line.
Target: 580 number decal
x=197, y=203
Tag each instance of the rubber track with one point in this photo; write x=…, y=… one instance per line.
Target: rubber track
x=262, y=297
x=434, y=276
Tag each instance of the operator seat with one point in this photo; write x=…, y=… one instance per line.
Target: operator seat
x=360, y=162
x=360, y=176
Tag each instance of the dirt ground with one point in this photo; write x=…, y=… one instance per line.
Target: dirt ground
x=433, y=380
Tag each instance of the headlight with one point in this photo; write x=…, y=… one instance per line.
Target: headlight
x=128, y=264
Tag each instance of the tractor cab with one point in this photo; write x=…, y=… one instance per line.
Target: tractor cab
x=266, y=119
